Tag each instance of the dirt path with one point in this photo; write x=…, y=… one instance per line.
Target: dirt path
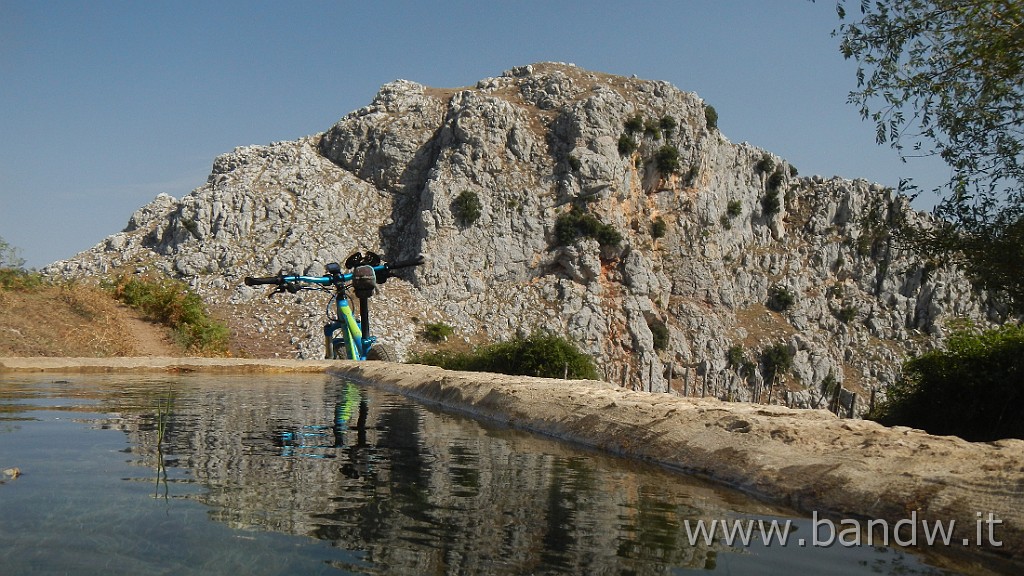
x=148, y=338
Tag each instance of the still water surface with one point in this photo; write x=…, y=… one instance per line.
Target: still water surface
x=316, y=475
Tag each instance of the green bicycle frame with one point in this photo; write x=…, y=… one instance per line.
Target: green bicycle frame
x=351, y=334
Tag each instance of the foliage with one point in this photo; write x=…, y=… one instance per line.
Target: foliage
x=668, y=125
x=627, y=145
x=777, y=359
x=574, y=163
x=847, y=313
x=775, y=181
x=173, y=303
x=467, y=207
x=660, y=333
x=634, y=124
x=576, y=223
x=945, y=78
x=652, y=129
x=770, y=203
x=737, y=359
x=540, y=354
x=831, y=390
x=991, y=256
x=766, y=164
x=667, y=159
x=21, y=279
x=9, y=257
x=780, y=298
x=437, y=331
x=973, y=389
x=13, y=275
x=658, y=228
x=711, y=117
x=734, y=208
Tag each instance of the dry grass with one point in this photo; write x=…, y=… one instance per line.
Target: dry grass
x=65, y=320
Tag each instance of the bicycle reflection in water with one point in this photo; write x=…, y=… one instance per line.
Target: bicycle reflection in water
x=318, y=441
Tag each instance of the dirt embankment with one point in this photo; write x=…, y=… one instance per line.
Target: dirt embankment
x=809, y=460
x=76, y=320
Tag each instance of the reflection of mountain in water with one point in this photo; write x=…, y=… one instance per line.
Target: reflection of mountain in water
x=419, y=491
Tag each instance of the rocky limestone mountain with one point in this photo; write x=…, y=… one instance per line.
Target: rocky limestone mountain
x=611, y=211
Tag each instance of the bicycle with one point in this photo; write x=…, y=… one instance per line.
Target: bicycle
x=367, y=272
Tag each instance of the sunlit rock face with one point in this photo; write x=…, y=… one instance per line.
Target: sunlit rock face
x=612, y=211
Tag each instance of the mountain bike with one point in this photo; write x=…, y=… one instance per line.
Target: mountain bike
x=344, y=336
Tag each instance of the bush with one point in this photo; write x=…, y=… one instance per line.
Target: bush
x=667, y=159
x=540, y=354
x=174, y=304
x=668, y=125
x=973, y=389
x=634, y=124
x=575, y=223
x=776, y=359
x=652, y=129
x=847, y=314
x=711, y=117
x=660, y=333
x=574, y=163
x=467, y=207
x=770, y=203
x=21, y=280
x=734, y=208
x=437, y=331
x=780, y=298
x=658, y=228
x=766, y=164
x=627, y=145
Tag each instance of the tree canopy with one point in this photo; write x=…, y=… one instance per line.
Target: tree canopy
x=972, y=389
x=946, y=78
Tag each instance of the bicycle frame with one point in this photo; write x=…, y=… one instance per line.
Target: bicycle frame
x=352, y=342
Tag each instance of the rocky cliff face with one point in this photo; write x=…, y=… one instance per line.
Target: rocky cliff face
x=611, y=210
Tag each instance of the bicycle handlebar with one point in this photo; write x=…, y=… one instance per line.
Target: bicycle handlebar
x=282, y=279
x=251, y=281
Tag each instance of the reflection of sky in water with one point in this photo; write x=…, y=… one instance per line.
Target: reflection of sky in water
x=311, y=474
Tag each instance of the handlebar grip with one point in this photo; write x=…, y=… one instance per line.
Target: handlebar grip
x=406, y=263
x=251, y=281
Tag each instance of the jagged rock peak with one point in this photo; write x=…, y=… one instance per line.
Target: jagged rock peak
x=604, y=208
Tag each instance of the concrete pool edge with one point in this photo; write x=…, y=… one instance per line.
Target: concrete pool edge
x=808, y=460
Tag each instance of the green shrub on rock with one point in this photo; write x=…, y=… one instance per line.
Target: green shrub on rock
x=467, y=207
x=540, y=354
x=667, y=159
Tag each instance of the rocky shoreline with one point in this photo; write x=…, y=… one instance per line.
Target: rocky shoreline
x=806, y=459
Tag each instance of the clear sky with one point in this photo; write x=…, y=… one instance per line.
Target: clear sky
x=104, y=105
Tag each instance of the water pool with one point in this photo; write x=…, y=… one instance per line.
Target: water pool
x=310, y=474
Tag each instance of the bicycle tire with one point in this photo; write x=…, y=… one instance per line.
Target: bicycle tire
x=382, y=353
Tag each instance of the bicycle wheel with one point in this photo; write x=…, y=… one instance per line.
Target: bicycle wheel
x=382, y=353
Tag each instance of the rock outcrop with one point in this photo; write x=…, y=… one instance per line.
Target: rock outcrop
x=612, y=211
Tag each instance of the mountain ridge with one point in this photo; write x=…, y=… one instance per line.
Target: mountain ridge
x=534, y=145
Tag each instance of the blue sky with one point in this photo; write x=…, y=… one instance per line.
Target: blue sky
x=104, y=105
